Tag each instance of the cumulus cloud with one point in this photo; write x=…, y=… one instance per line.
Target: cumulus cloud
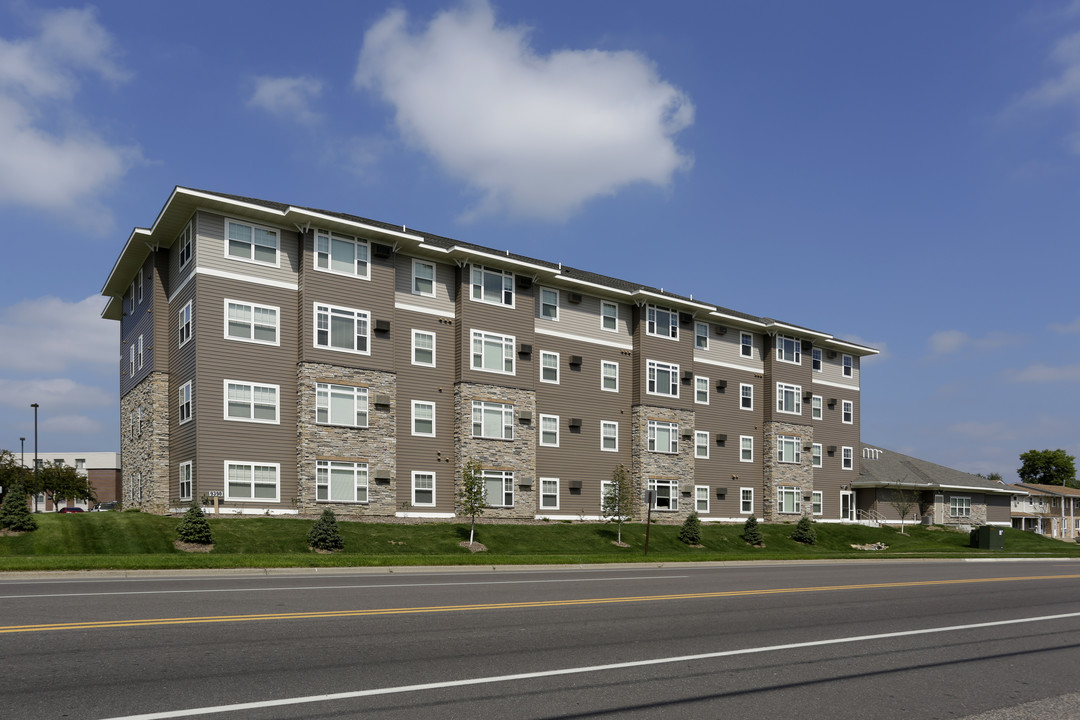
x=71, y=425
x=535, y=134
x=288, y=97
x=53, y=392
x=62, y=169
x=947, y=342
x=1040, y=372
x=50, y=335
x=1072, y=327
x=1062, y=89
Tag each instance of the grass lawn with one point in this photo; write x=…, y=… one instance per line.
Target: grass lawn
x=134, y=540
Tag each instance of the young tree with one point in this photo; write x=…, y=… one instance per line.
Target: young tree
x=1047, y=467
x=618, y=500
x=14, y=513
x=471, y=499
x=903, y=500
x=751, y=533
x=194, y=527
x=11, y=472
x=62, y=482
x=804, y=532
x=690, y=532
x=325, y=533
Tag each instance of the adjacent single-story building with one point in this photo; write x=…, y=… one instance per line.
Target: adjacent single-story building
x=102, y=471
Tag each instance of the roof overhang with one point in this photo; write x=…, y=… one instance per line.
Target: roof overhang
x=868, y=484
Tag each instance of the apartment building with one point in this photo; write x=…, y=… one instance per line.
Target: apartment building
x=283, y=359
x=1051, y=510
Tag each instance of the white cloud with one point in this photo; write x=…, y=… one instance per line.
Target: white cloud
x=52, y=393
x=1072, y=327
x=946, y=342
x=51, y=335
x=1048, y=373
x=288, y=97
x=536, y=135
x=71, y=424
x=1062, y=89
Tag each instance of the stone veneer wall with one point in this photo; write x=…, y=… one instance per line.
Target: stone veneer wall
x=518, y=455
x=777, y=473
x=376, y=444
x=144, y=459
x=648, y=465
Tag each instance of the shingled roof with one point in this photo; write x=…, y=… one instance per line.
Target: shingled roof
x=882, y=468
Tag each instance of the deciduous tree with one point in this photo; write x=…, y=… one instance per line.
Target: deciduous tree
x=903, y=500
x=62, y=482
x=618, y=501
x=1047, y=467
x=471, y=498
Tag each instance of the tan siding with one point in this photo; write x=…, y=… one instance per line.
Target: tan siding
x=583, y=319
x=445, y=285
x=502, y=320
x=661, y=349
x=175, y=276
x=181, y=369
x=727, y=349
x=210, y=250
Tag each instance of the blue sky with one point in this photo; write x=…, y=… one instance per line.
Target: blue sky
x=905, y=175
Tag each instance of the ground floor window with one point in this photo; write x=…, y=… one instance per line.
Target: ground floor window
x=185, y=480
x=340, y=481
x=423, y=488
x=499, y=488
x=746, y=500
x=549, y=493
x=665, y=494
x=788, y=499
x=701, y=498
x=251, y=481
x=960, y=507
x=819, y=502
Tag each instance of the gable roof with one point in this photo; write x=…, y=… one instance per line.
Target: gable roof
x=884, y=468
x=1057, y=490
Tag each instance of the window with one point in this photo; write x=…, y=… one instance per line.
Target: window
x=251, y=481
x=549, y=367
x=185, y=246
x=338, y=328
x=493, y=353
x=959, y=507
x=746, y=344
x=848, y=411
x=788, y=500
x=341, y=254
x=746, y=396
x=549, y=430
x=788, y=399
x=746, y=448
x=138, y=416
x=341, y=405
x=131, y=298
x=492, y=286
x=139, y=352
x=549, y=304
x=788, y=349
x=139, y=286
x=185, y=402
x=849, y=368
x=251, y=323
x=701, y=390
x=818, y=502
x=847, y=458
x=549, y=493
x=701, y=445
x=815, y=407
x=663, y=436
x=80, y=464
x=423, y=488
x=663, y=379
x=492, y=420
x=788, y=449
x=746, y=500
x=609, y=436
x=423, y=348
x=423, y=418
x=131, y=423
x=423, y=278
x=185, y=323
x=609, y=376
x=662, y=322
x=701, y=498
x=185, y=480
x=341, y=481
x=815, y=454
x=815, y=355
x=131, y=364
x=251, y=402
x=609, y=316
x=665, y=494
x=251, y=242
x=701, y=336
x=499, y=488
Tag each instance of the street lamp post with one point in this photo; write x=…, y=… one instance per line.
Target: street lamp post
x=35, y=406
x=22, y=451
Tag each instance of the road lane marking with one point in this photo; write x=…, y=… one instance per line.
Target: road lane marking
x=191, y=712
x=154, y=622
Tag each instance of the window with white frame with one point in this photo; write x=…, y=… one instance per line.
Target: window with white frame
x=499, y=488
x=423, y=418
x=549, y=493
x=815, y=361
x=492, y=286
x=341, y=481
x=423, y=489
x=609, y=376
x=662, y=322
x=251, y=242
x=251, y=402
x=788, y=500
x=341, y=328
x=549, y=303
x=492, y=420
x=245, y=482
x=663, y=379
x=423, y=278
x=184, y=242
x=493, y=353
x=848, y=365
x=818, y=502
x=139, y=286
x=131, y=423
x=341, y=254
x=815, y=408
x=549, y=430
x=746, y=344
x=423, y=348
x=746, y=500
x=131, y=363
x=341, y=405
x=788, y=449
x=788, y=349
x=701, y=336
x=746, y=448
x=549, y=367
x=848, y=410
x=184, y=324
x=184, y=412
x=186, y=475
x=815, y=454
x=701, y=498
x=847, y=461
x=788, y=398
x=663, y=437
x=665, y=494
x=138, y=415
x=609, y=436
x=959, y=507
x=746, y=396
x=131, y=298
x=609, y=316
x=250, y=322
x=139, y=352
x=701, y=390
x=701, y=445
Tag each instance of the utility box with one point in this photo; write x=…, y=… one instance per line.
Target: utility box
x=988, y=538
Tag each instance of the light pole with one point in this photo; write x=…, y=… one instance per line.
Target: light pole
x=22, y=451
x=35, y=406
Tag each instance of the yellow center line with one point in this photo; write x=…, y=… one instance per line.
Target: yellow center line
x=149, y=622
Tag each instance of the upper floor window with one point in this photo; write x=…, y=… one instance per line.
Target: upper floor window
x=815, y=455
x=185, y=246
x=788, y=449
x=338, y=328
x=185, y=323
x=492, y=286
x=423, y=348
x=609, y=436
x=185, y=402
x=701, y=390
x=847, y=458
x=788, y=398
x=746, y=448
x=131, y=298
x=663, y=436
x=341, y=254
x=788, y=349
x=251, y=322
x=815, y=356
x=848, y=366
x=341, y=405
x=609, y=316
x=492, y=420
x=549, y=430
x=746, y=396
x=493, y=353
x=131, y=359
x=423, y=278
x=663, y=379
x=746, y=344
x=815, y=407
x=701, y=445
x=663, y=322
x=139, y=285
x=251, y=402
x=549, y=367
x=609, y=376
x=139, y=352
x=848, y=410
x=423, y=418
x=549, y=303
x=251, y=242
x=341, y=481
x=701, y=336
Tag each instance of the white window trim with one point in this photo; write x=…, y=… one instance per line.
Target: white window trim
x=131, y=295
x=540, y=439
x=698, y=381
x=652, y=309
x=751, y=439
x=697, y=498
x=357, y=393
x=540, y=299
x=507, y=419
x=604, y=363
x=817, y=359
x=251, y=259
x=356, y=468
x=816, y=455
x=847, y=407
x=329, y=309
x=140, y=354
x=412, y=352
x=847, y=366
x=558, y=370
x=185, y=243
x=673, y=498
x=415, y=277
x=252, y=386
x=794, y=491
x=796, y=390
x=615, y=306
x=700, y=435
x=504, y=273
x=697, y=325
x=742, y=501
x=252, y=307
x=789, y=441
x=189, y=324
x=817, y=500
x=743, y=346
x=508, y=341
x=544, y=507
x=743, y=386
x=415, y=403
x=604, y=423
x=432, y=488
x=651, y=437
x=847, y=455
x=139, y=282
x=652, y=365
x=251, y=466
x=332, y=235
x=131, y=364
x=817, y=408
x=505, y=476
x=190, y=403
x=187, y=464
x=797, y=353
x=953, y=506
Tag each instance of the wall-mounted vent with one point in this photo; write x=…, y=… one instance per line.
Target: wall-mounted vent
x=381, y=251
x=525, y=416
x=525, y=349
x=382, y=326
x=685, y=318
x=575, y=360
x=573, y=297
x=575, y=422
x=720, y=329
x=524, y=282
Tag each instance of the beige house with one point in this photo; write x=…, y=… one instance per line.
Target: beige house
x=102, y=471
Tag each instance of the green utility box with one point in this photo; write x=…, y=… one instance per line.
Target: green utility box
x=988, y=538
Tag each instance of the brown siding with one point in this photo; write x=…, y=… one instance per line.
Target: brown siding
x=181, y=369
x=502, y=320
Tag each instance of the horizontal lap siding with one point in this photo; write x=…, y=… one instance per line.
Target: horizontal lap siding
x=662, y=349
x=210, y=250
x=134, y=324
x=830, y=430
x=501, y=320
x=727, y=349
x=445, y=285
x=583, y=319
x=182, y=368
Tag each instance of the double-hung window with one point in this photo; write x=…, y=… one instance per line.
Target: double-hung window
x=131, y=359
x=609, y=436
x=499, y=488
x=339, y=328
x=701, y=498
x=492, y=420
x=131, y=298
x=701, y=390
x=609, y=376
x=493, y=353
x=848, y=410
x=251, y=481
x=788, y=500
x=609, y=316
x=815, y=356
x=815, y=407
x=663, y=437
x=788, y=349
x=341, y=254
x=665, y=494
x=788, y=449
x=423, y=418
x=549, y=493
x=746, y=396
x=746, y=500
x=789, y=398
x=746, y=448
x=492, y=286
x=184, y=324
x=185, y=480
x=251, y=242
x=341, y=405
x=251, y=323
x=746, y=344
x=816, y=454
x=423, y=489
x=663, y=379
x=662, y=322
x=139, y=285
x=549, y=430
x=701, y=445
x=849, y=367
x=549, y=303
x=423, y=348
x=549, y=367
x=701, y=336
x=185, y=402
x=847, y=458
x=251, y=402
x=341, y=481
x=139, y=353
x=184, y=242
x=423, y=278
x=818, y=500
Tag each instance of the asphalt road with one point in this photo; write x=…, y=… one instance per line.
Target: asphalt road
x=810, y=640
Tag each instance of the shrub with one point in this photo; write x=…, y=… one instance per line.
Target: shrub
x=195, y=528
x=15, y=513
x=325, y=533
x=804, y=532
x=751, y=533
x=690, y=532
